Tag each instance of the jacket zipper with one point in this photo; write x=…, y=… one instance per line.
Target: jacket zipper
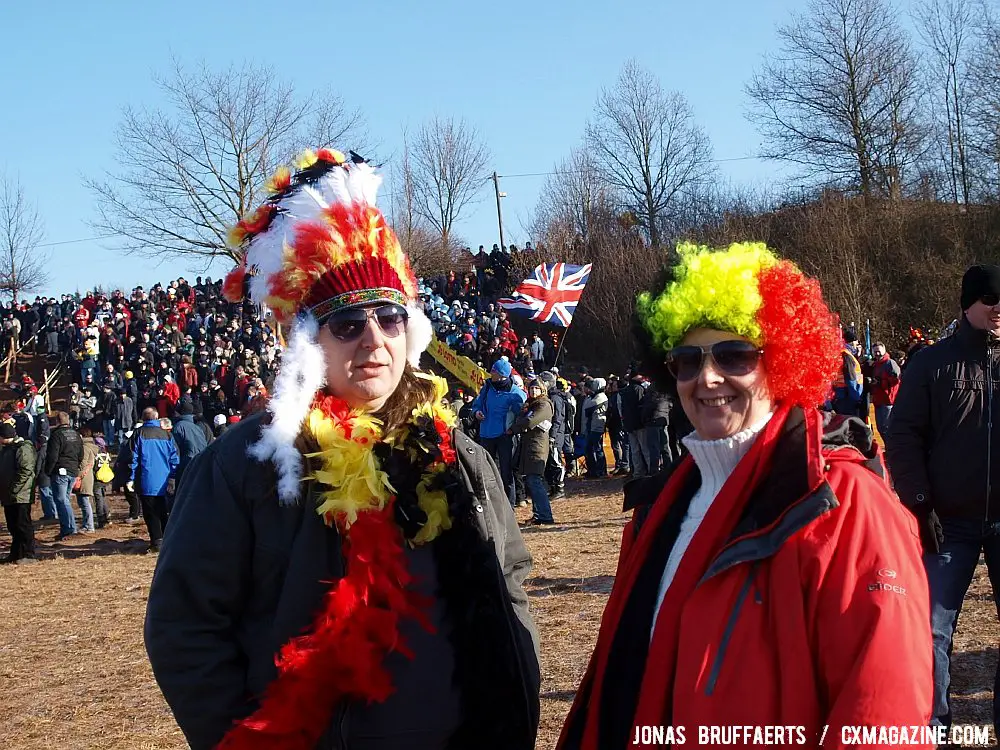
x=989, y=428
x=727, y=633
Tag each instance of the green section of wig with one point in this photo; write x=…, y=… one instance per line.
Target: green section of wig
x=712, y=288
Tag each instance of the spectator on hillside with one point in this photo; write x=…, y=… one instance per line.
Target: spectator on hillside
x=73, y=402
x=88, y=404
x=85, y=476
x=188, y=436
x=943, y=452
x=534, y=423
x=562, y=425
x=40, y=441
x=107, y=406
x=497, y=405
x=123, y=474
x=884, y=387
x=17, y=474
x=595, y=415
x=154, y=464
x=62, y=464
x=537, y=350
x=848, y=388
x=616, y=434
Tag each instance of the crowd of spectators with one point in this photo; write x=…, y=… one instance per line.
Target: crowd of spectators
x=466, y=314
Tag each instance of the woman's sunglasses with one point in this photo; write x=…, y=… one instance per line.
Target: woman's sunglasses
x=990, y=300
x=731, y=357
x=350, y=325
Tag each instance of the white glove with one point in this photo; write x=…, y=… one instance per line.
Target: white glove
x=130, y=486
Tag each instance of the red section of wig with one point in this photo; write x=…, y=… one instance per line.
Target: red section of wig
x=802, y=339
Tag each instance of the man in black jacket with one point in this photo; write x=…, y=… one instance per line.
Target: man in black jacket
x=63, y=456
x=555, y=472
x=944, y=456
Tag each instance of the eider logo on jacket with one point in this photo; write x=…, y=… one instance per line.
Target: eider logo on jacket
x=883, y=582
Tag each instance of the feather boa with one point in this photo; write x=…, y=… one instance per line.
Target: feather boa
x=380, y=492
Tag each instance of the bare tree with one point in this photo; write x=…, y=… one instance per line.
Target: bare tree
x=946, y=27
x=447, y=170
x=649, y=143
x=984, y=110
x=839, y=99
x=186, y=173
x=23, y=267
x=423, y=248
x=574, y=197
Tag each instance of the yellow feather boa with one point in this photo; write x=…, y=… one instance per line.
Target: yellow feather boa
x=350, y=473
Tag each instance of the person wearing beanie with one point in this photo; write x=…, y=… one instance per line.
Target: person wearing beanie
x=560, y=435
x=188, y=436
x=848, y=386
x=944, y=454
x=342, y=567
x=534, y=424
x=496, y=407
x=17, y=477
x=770, y=573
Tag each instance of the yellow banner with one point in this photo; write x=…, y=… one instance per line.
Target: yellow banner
x=468, y=372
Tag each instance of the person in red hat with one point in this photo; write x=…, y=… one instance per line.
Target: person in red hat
x=343, y=568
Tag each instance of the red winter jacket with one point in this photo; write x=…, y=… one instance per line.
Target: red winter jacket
x=814, y=614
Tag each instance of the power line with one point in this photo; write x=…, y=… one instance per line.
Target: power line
x=583, y=171
x=81, y=239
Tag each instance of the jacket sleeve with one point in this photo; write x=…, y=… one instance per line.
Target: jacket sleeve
x=477, y=402
x=24, y=472
x=173, y=456
x=52, y=452
x=134, y=473
x=909, y=437
x=516, y=566
x=866, y=607
x=196, y=600
x=532, y=419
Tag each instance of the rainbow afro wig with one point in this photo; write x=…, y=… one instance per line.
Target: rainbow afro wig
x=747, y=290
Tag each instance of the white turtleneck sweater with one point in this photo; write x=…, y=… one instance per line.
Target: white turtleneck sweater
x=716, y=460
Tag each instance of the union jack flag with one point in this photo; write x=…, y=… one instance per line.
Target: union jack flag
x=550, y=294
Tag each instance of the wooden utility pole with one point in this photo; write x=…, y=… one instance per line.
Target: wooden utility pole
x=496, y=189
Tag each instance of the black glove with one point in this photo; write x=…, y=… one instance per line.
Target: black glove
x=931, y=532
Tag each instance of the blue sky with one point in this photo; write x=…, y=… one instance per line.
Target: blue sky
x=525, y=73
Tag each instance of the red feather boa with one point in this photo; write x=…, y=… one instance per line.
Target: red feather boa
x=342, y=656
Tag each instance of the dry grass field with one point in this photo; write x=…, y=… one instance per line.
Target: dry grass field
x=73, y=671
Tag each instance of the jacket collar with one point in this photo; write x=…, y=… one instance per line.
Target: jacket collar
x=974, y=336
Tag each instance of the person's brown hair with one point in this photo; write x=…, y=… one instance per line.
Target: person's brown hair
x=62, y=419
x=409, y=394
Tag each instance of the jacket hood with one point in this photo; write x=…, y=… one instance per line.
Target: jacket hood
x=848, y=432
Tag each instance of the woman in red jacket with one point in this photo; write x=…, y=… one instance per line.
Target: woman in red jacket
x=771, y=577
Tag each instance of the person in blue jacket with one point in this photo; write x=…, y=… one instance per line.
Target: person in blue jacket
x=154, y=464
x=496, y=407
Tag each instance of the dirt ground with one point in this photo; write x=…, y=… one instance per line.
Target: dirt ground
x=73, y=671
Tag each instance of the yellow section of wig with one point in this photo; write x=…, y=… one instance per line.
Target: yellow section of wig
x=712, y=288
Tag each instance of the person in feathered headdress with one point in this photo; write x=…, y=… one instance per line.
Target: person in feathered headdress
x=771, y=577
x=345, y=567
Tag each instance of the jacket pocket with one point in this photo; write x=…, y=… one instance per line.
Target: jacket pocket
x=727, y=633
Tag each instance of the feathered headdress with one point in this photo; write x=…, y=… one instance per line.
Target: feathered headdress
x=747, y=290
x=317, y=245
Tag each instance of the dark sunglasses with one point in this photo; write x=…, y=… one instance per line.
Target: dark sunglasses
x=731, y=357
x=350, y=325
x=990, y=300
